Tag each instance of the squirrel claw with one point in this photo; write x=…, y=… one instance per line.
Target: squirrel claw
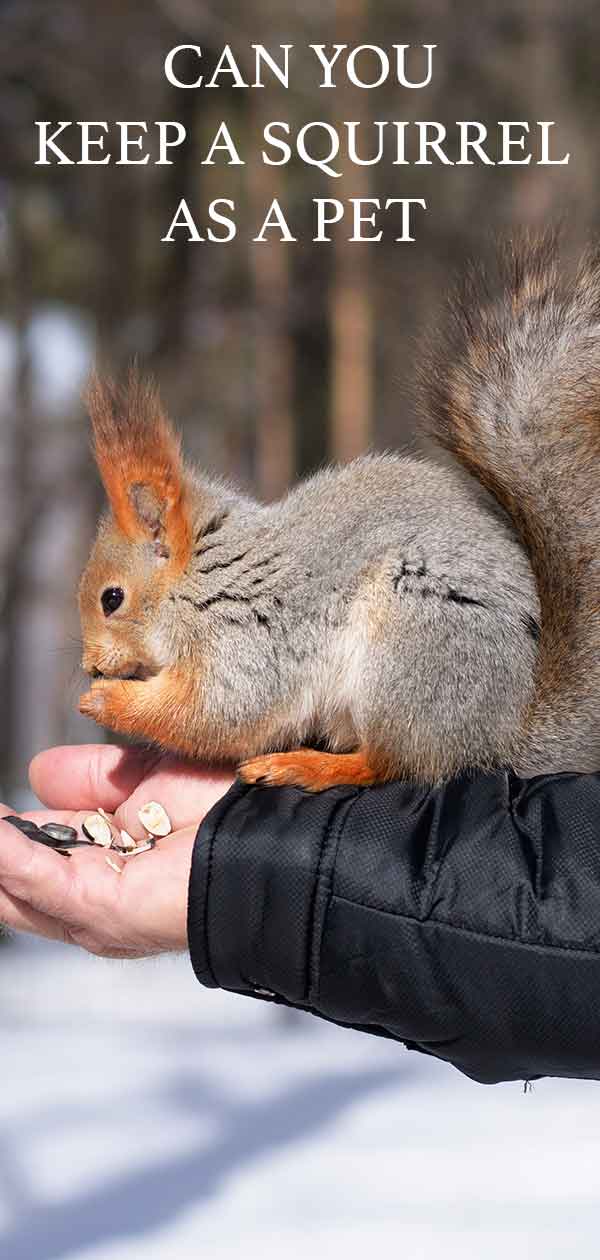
x=269, y=771
x=91, y=704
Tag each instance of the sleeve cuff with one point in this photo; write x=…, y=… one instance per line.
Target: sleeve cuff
x=259, y=888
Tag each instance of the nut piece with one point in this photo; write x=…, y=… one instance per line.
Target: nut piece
x=155, y=819
x=109, y=862
x=125, y=842
x=98, y=830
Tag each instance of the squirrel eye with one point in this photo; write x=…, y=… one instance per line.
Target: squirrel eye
x=112, y=598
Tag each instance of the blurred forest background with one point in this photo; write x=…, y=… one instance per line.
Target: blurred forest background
x=272, y=358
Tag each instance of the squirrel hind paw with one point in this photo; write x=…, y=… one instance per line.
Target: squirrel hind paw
x=311, y=770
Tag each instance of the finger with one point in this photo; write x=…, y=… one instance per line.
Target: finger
x=84, y=776
x=36, y=876
x=17, y=916
x=186, y=791
x=153, y=898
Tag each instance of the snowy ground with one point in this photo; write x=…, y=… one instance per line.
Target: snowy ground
x=143, y=1118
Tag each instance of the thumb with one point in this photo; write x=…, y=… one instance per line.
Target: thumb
x=88, y=775
x=186, y=791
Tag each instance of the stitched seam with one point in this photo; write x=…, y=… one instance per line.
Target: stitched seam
x=209, y=866
x=466, y=931
x=340, y=816
x=313, y=907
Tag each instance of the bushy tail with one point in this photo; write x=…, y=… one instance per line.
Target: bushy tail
x=514, y=394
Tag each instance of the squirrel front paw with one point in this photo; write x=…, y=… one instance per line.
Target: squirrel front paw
x=130, y=706
x=110, y=702
x=91, y=704
x=119, y=703
x=150, y=710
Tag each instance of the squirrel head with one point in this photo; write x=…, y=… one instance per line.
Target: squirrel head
x=144, y=543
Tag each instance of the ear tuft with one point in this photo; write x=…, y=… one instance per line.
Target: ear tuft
x=139, y=459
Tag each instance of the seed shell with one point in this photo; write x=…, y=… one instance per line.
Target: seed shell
x=24, y=825
x=33, y=832
x=59, y=831
x=155, y=819
x=71, y=844
x=109, y=862
x=144, y=847
x=97, y=829
x=49, y=842
x=127, y=842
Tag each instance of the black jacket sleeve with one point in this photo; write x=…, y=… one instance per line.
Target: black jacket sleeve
x=463, y=921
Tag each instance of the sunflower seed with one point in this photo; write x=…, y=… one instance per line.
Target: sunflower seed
x=40, y=837
x=33, y=832
x=25, y=825
x=155, y=819
x=97, y=830
x=61, y=832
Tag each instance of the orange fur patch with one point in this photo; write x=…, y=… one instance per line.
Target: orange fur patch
x=136, y=446
x=314, y=771
x=150, y=710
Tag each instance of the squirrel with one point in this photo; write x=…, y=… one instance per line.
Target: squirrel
x=394, y=618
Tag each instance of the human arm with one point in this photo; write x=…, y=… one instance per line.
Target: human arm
x=463, y=921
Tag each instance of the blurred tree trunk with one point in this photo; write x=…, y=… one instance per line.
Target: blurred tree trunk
x=274, y=360
x=351, y=295
x=20, y=508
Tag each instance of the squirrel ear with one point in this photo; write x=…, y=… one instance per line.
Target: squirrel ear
x=139, y=459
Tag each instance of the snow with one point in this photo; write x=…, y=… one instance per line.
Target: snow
x=145, y=1118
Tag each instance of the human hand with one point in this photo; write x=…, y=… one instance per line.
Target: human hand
x=83, y=901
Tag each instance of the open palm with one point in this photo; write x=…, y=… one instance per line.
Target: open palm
x=83, y=901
